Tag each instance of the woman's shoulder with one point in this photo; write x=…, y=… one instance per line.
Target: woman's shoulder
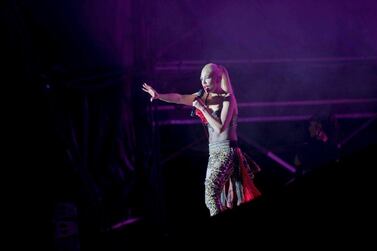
x=220, y=98
x=226, y=96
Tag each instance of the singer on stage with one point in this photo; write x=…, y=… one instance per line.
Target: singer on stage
x=230, y=173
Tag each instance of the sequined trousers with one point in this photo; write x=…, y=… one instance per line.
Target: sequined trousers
x=220, y=167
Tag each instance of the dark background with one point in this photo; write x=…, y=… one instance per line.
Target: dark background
x=86, y=139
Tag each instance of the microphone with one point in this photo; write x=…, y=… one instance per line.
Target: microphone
x=200, y=94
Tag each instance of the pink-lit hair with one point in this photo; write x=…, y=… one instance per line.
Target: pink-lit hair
x=222, y=72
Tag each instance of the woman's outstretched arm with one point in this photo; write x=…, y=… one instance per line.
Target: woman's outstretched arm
x=169, y=97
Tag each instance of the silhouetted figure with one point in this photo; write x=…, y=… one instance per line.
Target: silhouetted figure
x=320, y=149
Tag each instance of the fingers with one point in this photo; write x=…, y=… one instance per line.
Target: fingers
x=195, y=103
x=146, y=87
x=199, y=100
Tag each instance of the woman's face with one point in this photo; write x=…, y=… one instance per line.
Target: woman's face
x=209, y=80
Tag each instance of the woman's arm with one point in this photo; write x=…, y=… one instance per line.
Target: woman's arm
x=219, y=125
x=169, y=97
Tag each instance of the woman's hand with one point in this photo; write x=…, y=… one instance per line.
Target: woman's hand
x=151, y=91
x=199, y=104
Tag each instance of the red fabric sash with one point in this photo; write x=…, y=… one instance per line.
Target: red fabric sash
x=201, y=116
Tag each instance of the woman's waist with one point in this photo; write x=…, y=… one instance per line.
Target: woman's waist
x=227, y=134
x=222, y=144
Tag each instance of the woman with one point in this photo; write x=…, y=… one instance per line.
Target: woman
x=229, y=175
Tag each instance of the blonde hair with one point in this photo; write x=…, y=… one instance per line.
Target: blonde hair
x=226, y=85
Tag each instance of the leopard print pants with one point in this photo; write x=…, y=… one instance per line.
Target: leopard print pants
x=220, y=167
